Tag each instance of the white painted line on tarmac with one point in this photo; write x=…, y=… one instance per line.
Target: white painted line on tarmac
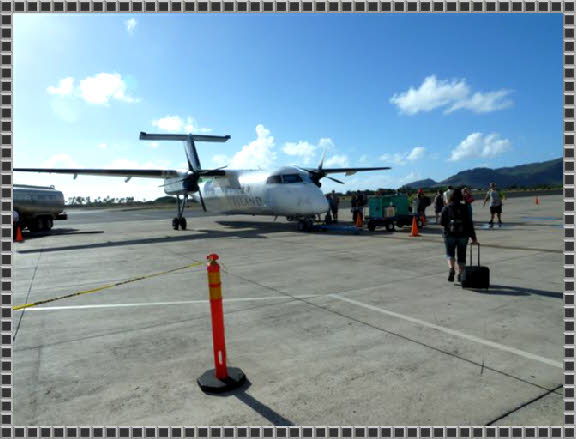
x=187, y=302
x=473, y=338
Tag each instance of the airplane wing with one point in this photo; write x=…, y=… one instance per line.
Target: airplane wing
x=146, y=173
x=351, y=171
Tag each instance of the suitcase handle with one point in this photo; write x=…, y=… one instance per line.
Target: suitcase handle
x=472, y=245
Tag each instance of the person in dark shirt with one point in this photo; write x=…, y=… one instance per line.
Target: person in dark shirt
x=458, y=229
x=438, y=205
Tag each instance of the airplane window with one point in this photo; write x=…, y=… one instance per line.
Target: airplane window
x=291, y=178
x=273, y=179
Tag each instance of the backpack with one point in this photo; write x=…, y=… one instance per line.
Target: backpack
x=456, y=224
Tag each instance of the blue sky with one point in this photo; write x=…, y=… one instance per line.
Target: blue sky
x=429, y=95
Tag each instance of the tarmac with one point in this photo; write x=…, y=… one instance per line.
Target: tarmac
x=329, y=328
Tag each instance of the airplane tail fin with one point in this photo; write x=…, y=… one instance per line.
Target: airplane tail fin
x=189, y=146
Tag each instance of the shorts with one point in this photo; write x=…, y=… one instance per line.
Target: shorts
x=456, y=246
x=495, y=209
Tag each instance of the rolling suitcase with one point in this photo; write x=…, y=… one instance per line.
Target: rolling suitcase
x=475, y=276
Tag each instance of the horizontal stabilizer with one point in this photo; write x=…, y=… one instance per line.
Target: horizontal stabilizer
x=183, y=137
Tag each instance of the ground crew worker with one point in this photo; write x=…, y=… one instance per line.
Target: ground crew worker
x=15, y=222
x=422, y=204
x=354, y=207
x=360, y=203
x=334, y=206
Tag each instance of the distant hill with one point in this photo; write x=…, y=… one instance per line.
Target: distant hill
x=530, y=175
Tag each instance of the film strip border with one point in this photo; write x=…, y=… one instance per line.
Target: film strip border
x=289, y=432
x=288, y=6
x=9, y=7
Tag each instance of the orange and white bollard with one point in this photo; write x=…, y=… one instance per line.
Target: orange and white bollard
x=221, y=378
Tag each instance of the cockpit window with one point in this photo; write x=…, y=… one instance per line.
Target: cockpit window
x=273, y=179
x=291, y=178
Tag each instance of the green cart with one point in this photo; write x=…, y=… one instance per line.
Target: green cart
x=388, y=211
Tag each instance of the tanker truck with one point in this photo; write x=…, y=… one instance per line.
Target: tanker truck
x=38, y=206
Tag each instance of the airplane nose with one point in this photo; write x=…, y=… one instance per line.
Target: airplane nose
x=321, y=204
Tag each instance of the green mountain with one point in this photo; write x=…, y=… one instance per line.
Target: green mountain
x=530, y=175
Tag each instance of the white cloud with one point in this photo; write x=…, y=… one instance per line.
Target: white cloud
x=483, y=102
x=153, y=144
x=102, y=146
x=478, y=145
x=402, y=158
x=337, y=161
x=417, y=153
x=103, y=87
x=258, y=154
x=177, y=124
x=130, y=25
x=60, y=161
x=65, y=87
x=455, y=94
x=305, y=150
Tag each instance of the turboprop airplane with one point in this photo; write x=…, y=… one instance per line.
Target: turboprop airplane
x=290, y=191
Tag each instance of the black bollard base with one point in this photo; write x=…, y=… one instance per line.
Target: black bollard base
x=210, y=384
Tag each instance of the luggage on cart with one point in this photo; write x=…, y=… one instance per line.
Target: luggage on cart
x=475, y=276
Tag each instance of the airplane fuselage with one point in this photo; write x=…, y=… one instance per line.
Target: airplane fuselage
x=287, y=191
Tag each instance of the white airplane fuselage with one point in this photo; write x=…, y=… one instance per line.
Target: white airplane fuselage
x=287, y=191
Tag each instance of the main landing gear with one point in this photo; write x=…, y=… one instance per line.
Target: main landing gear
x=180, y=221
x=305, y=225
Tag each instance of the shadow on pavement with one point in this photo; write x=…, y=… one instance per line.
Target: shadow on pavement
x=517, y=291
x=260, y=408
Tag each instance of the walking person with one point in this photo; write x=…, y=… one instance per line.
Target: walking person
x=438, y=205
x=334, y=206
x=458, y=229
x=468, y=199
x=353, y=207
x=493, y=195
x=360, y=203
x=423, y=203
x=447, y=195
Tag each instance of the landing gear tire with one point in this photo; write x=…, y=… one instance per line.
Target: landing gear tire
x=304, y=226
x=183, y=223
x=175, y=223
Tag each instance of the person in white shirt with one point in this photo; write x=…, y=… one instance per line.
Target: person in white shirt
x=493, y=195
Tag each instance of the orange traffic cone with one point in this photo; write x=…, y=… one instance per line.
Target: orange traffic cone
x=414, y=226
x=19, y=237
x=359, y=220
x=537, y=201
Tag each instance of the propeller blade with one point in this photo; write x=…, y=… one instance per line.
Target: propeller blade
x=322, y=159
x=336, y=180
x=202, y=200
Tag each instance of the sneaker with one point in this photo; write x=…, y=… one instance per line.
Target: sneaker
x=490, y=224
x=500, y=224
x=451, y=276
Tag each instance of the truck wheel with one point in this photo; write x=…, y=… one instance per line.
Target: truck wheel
x=36, y=224
x=49, y=224
x=390, y=227
x=371, y=226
